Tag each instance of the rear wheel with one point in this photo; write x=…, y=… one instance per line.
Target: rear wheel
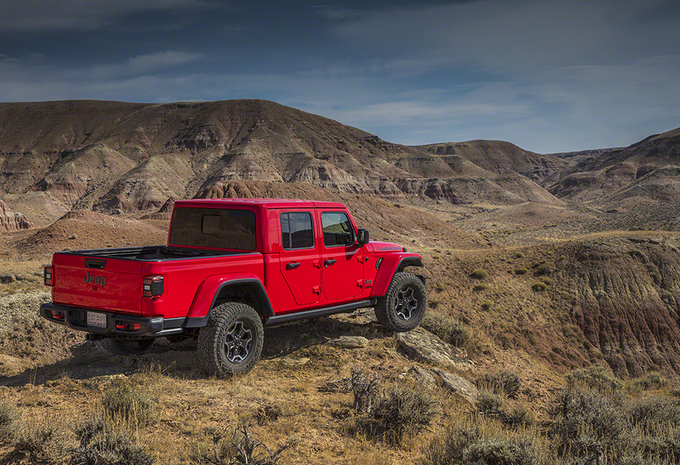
x=120, y=346
x=404, y=304
x=231, y=343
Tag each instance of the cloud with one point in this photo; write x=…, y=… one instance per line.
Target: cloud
x=518, y=36
x=71, y=15
x=336, y=13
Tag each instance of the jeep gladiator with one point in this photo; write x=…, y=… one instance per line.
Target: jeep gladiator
x=231, y=268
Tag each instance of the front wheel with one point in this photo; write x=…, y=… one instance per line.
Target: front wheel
x=403, y=307
x=231, y=343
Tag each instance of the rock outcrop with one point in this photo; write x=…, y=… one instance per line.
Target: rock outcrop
x=11, y=220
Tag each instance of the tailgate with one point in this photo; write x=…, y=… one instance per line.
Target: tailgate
x=100, y=283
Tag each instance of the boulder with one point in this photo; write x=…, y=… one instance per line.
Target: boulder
x=423, y=346
x=457, y=385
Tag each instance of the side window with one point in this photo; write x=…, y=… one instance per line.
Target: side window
x=296, y=230
x=337, y=229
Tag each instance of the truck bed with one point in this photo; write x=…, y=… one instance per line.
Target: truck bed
x=155, y=253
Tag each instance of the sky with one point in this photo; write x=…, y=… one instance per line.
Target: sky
x=547, y=75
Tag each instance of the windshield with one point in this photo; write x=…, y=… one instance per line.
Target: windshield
x=214, y=228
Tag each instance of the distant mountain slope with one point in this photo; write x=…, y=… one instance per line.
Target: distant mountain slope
x=500, y=157
x=648, y=169
x=115, y=157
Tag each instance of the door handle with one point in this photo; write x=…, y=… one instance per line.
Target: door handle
x=329, y=262
x=292, y=266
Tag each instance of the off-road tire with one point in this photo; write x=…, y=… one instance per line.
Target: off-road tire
x=120, y=346
x=404, y=304
x=231, y=343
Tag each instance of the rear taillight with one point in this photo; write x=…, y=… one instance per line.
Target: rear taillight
x=48, y=274
x=153, y=286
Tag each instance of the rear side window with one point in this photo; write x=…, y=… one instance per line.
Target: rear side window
x=337, y=229
x=296, y=230
x=215, y=228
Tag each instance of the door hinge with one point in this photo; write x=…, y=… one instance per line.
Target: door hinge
x=316, y=289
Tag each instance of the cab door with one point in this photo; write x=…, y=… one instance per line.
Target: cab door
x=341, y=257
x=299, y=256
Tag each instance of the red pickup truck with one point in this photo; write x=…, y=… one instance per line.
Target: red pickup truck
x=232, y=267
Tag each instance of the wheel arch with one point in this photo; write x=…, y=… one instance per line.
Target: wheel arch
x=390, y=265
x=213, y=292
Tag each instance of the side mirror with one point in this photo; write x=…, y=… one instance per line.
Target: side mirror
x=362, y=237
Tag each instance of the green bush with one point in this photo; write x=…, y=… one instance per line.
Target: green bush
x=486, y=305
x=500, y=382
x=539, y=286
x=480, y=287
x=546, y=280
x=597, y=378
x=478, y=274
x=521, y=270
x=130, y=405
x=446, y=328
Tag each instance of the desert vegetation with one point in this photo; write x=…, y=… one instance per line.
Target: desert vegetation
x=553, y=287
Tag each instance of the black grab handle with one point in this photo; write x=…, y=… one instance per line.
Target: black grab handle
x=96, y=263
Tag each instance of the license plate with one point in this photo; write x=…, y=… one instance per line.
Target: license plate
x=98, y=320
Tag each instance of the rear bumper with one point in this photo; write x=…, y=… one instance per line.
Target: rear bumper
x=113, y=324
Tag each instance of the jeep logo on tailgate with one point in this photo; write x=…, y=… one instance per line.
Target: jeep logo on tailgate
x=92, y=279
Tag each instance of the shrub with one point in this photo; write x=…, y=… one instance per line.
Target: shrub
x=519, y=415
x=500, y=382
x=488, y=403
x=101, y=446
x=446, y=328
x=241, y=447
x=587, y=420
x=480, y=287
x=652, y=450
x=651, y=381
x=597, y=378
x=501, y=451
x=539, y=286
x=130, y=405
x=655, y=411
x=42, y=443
x=402, y=409
x=470, y=445
x=521, y=270
x=267, y=413
x=486, y=305
x=367, y=389
x=546, y=280
x=541, y=269
x=478, y=274
x=8, y=417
